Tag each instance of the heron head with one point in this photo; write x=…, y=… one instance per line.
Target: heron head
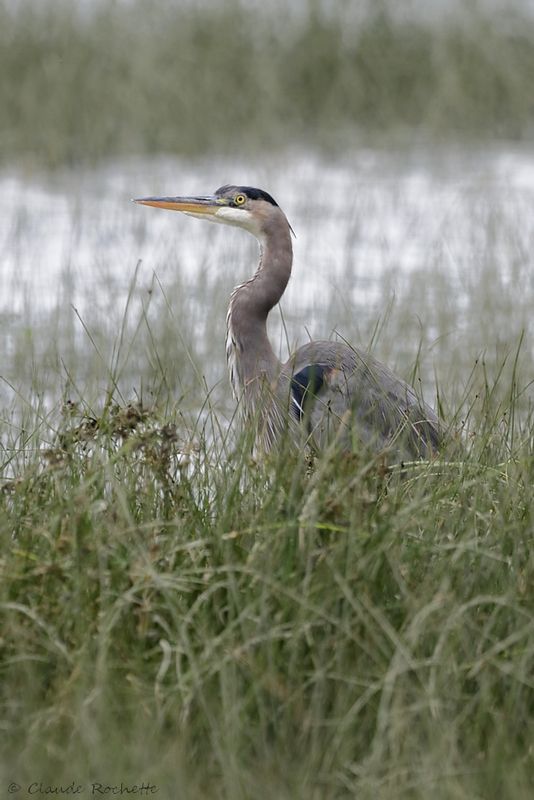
x=242, y=206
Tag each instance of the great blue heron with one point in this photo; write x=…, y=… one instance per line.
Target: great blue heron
x=326, y=388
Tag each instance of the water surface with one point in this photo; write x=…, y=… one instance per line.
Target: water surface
x=435, y=244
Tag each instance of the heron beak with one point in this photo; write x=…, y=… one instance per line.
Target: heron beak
x=199, y=206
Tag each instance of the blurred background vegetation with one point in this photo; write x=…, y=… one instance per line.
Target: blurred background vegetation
x=82, y=81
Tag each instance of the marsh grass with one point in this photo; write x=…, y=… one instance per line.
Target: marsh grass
x=177, y=612
x=174, y=611
x=82, y=81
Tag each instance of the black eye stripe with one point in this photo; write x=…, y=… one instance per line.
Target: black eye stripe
x=258, y=194
x=246, y=191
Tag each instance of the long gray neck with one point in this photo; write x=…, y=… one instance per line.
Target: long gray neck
x=249, y=352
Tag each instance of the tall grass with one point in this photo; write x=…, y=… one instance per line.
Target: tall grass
x=173, y=612
x=83, y=81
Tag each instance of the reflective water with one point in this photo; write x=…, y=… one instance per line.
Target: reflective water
x=426, y=229
x=365, y=214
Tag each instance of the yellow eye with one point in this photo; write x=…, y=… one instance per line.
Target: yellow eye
x=239, y=199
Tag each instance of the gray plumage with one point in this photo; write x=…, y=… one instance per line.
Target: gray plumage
x=326, y=391
x=360, y=399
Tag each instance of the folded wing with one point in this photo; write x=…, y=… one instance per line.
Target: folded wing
x=338, y=391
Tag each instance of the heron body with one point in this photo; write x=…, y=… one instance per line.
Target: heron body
x=326, y=391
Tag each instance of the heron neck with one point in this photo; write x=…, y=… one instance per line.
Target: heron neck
x=248, y=345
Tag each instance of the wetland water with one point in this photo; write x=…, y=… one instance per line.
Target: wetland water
x=441, y=239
